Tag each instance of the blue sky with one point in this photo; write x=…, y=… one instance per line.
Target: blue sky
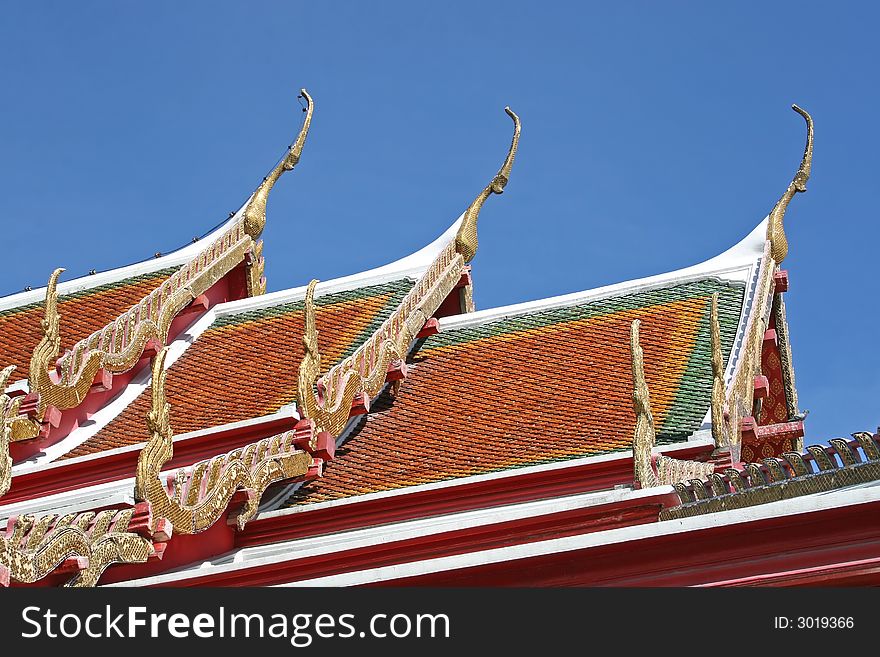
x=655, y=135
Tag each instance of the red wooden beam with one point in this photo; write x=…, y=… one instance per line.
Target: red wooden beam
x=481, y=537
x=509, y=489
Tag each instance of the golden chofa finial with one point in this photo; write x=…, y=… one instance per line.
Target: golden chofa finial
x=255, y=213
x=466, y=239
x=775, y=229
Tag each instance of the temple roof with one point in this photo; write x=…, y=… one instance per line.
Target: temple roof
x=387, y=383
x=547, y=380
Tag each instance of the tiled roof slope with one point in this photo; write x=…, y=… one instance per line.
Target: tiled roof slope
x=245, y=365
x=534, y=388
x=82, y=313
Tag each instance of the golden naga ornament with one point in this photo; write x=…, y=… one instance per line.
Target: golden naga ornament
x=719, y=425
x=8, y=412
x=644, y=436
x=35, y=547
x=668, y=470
x=466, y=239
x=775, y=229
x=199, y=495
x=255, y=212
x=740, y=393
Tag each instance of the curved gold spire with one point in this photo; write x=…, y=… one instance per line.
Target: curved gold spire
x=775, y=229
x=718, y=392
x=255, y=212
x=466, y=238
x=644, y=436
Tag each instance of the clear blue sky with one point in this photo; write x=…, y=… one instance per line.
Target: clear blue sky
x=655, y=135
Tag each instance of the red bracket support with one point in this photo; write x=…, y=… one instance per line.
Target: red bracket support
x=103, y=381
x=152, y=348
x=397, y=370
x=72, y=565
x=325, y=446
x=780, y=281
x=198, y=305
x=770, y=339
x=141, y=522
x=431, y=327
x=762, y=387
x=315, y=470
x=749, y=429
x=51, y=415
x=164, y=531
x=304, y=431
x=465, y=278
x=360, y=405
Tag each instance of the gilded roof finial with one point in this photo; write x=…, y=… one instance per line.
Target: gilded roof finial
x=718, y=393
x=160, y=447
x=775, y=229
x=310, y=366
x=644, y=436
x=47, y=349
x=466, y=239
x=255, y=213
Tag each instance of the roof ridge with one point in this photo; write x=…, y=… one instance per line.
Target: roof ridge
x=735, y=264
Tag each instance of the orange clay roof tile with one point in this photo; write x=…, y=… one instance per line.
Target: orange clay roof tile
x=246, y=365
x=546, y=386
x=82, y=313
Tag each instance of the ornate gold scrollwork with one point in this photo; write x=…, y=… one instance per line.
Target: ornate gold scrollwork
x=366, y=369
x=740, y=393
x=644, y=436
x=466, y=239
x=35, y=547
x=202, y=493
x=255, y=213
x=8, y=412
x=669, y=470
x=775, y=229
